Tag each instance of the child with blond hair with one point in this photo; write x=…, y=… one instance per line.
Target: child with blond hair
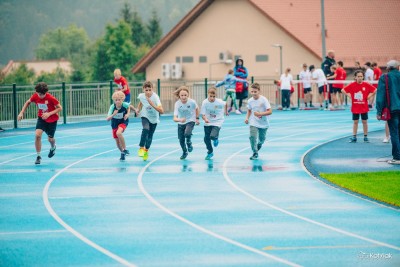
x=118, y=114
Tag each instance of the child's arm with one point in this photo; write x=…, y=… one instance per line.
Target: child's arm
x=197, y=115
x=158, y=108
x=21, y=114
x=247, y=116
x=205, y=118
x=111, y=113
x=226, y=109
x=344, y=92
x=128, y=112
x=48, y=114
x=265, y=113
x=176, y=119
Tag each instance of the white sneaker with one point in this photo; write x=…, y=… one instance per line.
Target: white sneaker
x=386, y=140
x=238, y=112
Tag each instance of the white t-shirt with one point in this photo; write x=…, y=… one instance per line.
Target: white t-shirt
x=187, y=110
x=285, y=81
x=319, y=75
x=369, y=75
x=214, y=112
x=258, y=105
x=305, y=77
x=148, y=111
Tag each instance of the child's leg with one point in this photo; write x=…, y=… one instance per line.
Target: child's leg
x=262, y=133
x=118, y=144
x=121, y=139
x=181, y=137
x=365, y=127
x=188, y=132
x=214, y=132
x=233, y=95
x=145, y=132
x=253, y=138
x=207, y=138
x=38, y=140
x=355, y=127
x=149, y=140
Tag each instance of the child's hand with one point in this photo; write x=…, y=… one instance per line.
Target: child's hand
x=20, y=116
x=257, y=114
x=115, y=112
x=126, y=116
x=45, y=115
x=183, y=120
x=197, y=122
x=206, y=121
x=246, y=121
x=108, y=118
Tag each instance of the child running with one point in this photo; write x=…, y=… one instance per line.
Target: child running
x=186, y=114
x=48, y=109
x=119, y=116
x=123, y=85
x=150, y=109
x=359, y=92
x=258, y=110
x=212, y=111
x=230, y=88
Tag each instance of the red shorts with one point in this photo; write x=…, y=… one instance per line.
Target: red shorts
x=114, y=131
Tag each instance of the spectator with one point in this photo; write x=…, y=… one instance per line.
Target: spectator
x=242, y=92
x=305, y=77
x=326, y=68
x=286, y=82
x=319, y=76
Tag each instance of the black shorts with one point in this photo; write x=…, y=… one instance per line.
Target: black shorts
x=321, y=89
x=364, y=116
x=307, y=90
x=48, y=127
x=337, y=90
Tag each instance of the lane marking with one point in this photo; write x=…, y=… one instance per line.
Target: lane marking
x=196, y=226
x=318, y=247
x=33, y=232
x=265, y=203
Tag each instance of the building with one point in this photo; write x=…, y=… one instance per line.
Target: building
x=39, y=66
x=206, y=42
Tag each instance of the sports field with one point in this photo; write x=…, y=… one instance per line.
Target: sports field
x=84, y=207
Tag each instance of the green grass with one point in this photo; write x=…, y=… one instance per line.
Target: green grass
x=382, y=186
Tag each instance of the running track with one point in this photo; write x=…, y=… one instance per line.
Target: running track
x=85, y=208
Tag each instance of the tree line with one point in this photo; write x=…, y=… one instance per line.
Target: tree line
x=123, y=44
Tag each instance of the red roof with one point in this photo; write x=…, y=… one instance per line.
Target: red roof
x=357, y=30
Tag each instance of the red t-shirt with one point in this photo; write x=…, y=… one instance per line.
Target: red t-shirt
x=377, y=75
x=359, y=96
x=340, y=76
x=121, y=82
x=47, y=104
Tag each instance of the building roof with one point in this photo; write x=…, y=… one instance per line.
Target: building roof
x=357, y=30
x=39, y=66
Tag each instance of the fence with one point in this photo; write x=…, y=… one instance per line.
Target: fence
x=91, y=101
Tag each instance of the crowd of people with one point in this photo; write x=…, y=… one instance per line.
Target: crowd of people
x=213, y=110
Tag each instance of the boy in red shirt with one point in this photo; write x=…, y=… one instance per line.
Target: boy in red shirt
x=48, y=109
x=359, y=92
x=122, y=85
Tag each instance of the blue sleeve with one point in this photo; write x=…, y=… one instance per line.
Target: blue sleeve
x=218, y=84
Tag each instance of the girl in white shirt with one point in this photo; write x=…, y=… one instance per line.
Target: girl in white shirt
x=286, y=82
x=186, y=114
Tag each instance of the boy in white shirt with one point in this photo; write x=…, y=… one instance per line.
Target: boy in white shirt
x=258, y=110
x=319, y=76
x=212, y=110
x=150, y=109
x=305, y=77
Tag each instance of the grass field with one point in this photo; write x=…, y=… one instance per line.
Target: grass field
x=382, y=186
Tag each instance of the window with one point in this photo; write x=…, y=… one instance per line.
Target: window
x=261, y=58
x=178, y=59
x=202, y=59
x=187, y=59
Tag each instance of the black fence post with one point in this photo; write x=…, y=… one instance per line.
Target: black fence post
x=159, y=87
x=205, y=87
x=111, y=91
x=252, y=79
x=64, y=103
x=15, y=105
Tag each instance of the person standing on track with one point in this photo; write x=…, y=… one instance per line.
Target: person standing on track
x=258, y=110
x=186, y=114
x=359, y=92
x=48, y=109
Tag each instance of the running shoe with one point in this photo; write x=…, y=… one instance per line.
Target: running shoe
x=140, y=152
x=366, y=140
x=215, y=142
x=353, y=139
x=52, y=152
x=190, y=147
x=394, y=161
x=126, y=152
x=145, y=155
x=230, y=109
x=209, y=156
x=238, y=112
x=255, y=156
x=386, y=140
x=184, y=155
x=38, y=159
x=122, y=158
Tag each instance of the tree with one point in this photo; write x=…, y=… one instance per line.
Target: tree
x=57, y=76
x=139, y=31
x=125, y=13
x=115, y=50
x=22, y=75
x=154, y=29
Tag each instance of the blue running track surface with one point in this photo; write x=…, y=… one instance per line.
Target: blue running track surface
x=84, y=207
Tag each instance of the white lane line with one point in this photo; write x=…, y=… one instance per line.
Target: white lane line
x=265, y=203
x=196, y=226
x=320, y=247
x=33, y=232
x=337, y=187
x=67, y=226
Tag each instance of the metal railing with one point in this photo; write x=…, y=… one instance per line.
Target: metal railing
x=91, y=101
